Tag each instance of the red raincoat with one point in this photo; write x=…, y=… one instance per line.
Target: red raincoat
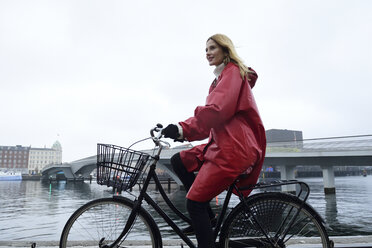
x=237, y=140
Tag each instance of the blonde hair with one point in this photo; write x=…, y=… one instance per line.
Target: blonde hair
x=228, y=47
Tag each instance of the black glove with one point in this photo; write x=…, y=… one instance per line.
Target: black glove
x=171, y=131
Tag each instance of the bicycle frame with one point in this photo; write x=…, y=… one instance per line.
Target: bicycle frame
x=152, y=175
x=144, y=196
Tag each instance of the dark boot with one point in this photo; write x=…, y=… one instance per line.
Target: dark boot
x=190, y=230
x=201, y=222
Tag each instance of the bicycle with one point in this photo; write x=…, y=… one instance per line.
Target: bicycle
x=265, y=219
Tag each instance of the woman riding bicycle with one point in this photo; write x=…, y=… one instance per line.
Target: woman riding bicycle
x=236, y=144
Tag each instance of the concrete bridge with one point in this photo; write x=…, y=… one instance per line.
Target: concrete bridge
x=326, y=153
x=76, y=169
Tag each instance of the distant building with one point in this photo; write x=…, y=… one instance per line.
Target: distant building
x=41, y=157
x=283, y=140
x=14, y=157
x=283, y=135
x=28, y=159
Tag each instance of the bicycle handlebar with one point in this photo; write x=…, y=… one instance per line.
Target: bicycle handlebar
x=158, y=129
x=156, y=135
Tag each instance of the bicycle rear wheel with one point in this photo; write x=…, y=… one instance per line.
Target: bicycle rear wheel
x=279, y=216
x=100, y=223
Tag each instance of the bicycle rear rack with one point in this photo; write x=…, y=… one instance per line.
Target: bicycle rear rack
x=304, y=187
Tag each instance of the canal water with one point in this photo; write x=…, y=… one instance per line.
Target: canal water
x=37, y=211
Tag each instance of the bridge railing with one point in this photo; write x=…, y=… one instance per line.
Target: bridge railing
x=345, y=143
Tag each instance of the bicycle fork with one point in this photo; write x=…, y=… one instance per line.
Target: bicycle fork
x=133, y=215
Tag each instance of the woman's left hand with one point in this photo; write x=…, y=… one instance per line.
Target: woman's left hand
x=171, y=131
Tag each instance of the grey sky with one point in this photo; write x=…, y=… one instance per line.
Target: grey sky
x=91, y=71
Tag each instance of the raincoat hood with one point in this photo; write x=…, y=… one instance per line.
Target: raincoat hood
x=252, y=77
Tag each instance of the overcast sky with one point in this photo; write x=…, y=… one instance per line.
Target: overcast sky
x=85, y=71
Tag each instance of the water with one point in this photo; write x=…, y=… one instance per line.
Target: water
x=37, y=211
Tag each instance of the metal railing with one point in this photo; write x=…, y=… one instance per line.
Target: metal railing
x=345, y=143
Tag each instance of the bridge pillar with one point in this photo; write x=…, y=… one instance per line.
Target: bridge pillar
x=329, y=179
x=288, y=173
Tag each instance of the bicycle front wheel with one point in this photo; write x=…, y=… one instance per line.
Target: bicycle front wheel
x=273, y=220
x=100, y=223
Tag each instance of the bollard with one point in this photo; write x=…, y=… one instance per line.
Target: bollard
x=169, y=185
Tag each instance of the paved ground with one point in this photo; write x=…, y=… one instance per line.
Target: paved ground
x=340, y=242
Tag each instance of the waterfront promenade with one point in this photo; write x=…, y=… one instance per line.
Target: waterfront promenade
x=340, y=242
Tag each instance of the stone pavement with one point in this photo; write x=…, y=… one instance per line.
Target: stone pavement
x=340, y=242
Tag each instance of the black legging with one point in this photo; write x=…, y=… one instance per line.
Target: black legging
x=187, y=178
x=200, y=212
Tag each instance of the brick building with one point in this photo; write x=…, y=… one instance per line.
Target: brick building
x=29, y=160
x=14, y=157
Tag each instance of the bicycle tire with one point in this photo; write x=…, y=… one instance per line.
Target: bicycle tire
x=274, y=212
x=99, y=223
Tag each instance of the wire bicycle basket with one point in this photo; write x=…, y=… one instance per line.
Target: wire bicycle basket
x=119, y=167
